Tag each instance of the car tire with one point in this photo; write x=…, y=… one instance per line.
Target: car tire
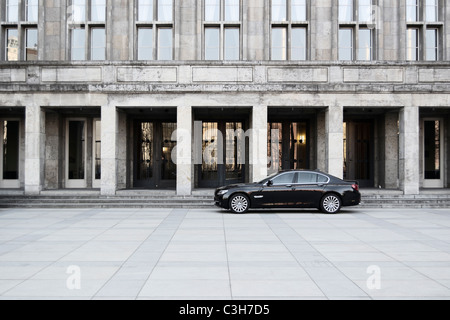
x=330, y=203
x=239, y=203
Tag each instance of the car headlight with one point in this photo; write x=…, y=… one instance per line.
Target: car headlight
x=222, y=192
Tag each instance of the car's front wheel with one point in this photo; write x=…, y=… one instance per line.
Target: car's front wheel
x=330, y=203
x=239, y=203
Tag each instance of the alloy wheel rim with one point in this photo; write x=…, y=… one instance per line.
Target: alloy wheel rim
x=239, y=204
x=331, y=204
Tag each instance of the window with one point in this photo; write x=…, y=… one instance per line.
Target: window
x=78, y=44
x=12, y=10
x=222, y=25
x=289, y=30
x=98, y=44
x=31, y=44
x=365, y=11
x=12, y=44
x=154, y=25
x=412, y=44
x=346, y=44
x=423, y=30
x=365, y=45
x=431, y=11
x=88, y=30
x=311, y=178
x=32, y=8
x=165, y=44
x=20, y=30
x=145, y=44
x=432, y=45
x=279, y=43
x=412, y=10
x=286, y=178
x=345, y=10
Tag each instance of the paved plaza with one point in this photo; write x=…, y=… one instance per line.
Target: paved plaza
x=204, y=254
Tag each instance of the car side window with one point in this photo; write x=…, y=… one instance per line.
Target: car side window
x=286, y=178
x=311, y=178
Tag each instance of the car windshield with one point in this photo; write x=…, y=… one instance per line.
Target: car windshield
x=268, y=178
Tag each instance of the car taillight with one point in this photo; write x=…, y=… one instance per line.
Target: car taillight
x=355, y=187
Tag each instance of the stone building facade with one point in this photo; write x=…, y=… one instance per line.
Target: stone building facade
x=189, y=94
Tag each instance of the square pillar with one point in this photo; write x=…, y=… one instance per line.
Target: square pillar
x=391, y=151
x=185, y=168
x=34, y=149
x=409, y=150
x=109, y=149
x=334, y=141
x=258, y=143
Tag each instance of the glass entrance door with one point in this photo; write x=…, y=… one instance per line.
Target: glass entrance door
x=76, y=153
x=9, y=148
x=433, y=155
x=223, y=154
x=154, y=165
x=288, y=146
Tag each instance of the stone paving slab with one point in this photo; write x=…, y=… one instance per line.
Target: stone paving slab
x=199, y=254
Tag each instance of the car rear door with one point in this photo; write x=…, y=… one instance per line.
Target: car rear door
x=308, y=189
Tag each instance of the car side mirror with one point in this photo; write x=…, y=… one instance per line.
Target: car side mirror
x=269, y=183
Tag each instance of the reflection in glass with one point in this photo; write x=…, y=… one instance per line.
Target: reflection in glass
x=12, y=44
x=235, y=150
x=145, y=171
x=77, y=150
x=431, y=10
x=31, y=44
x=212, y=47
x=98, y=150
x=210, y=151
x=145, y=11
x=10, y=141
x=231, y=44
x=168, y=166
x=279, y=44
x=365, y=10
x=432, y=150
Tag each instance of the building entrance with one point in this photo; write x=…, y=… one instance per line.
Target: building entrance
x=358, y=152
x=433, y=154
x=154, y=166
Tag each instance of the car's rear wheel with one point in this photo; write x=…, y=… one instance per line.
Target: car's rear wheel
x=330, y=203
x=239, y=203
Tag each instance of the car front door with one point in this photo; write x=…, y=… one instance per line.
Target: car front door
x=277, y=192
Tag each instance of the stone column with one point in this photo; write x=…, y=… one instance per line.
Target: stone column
x=34, y=149
x=258, y=143
x=391, y=150
x=409, y=150
x=334, y=137
x=185, y=168
x=109, y=149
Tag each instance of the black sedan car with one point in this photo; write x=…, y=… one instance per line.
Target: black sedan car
x=290, y=189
